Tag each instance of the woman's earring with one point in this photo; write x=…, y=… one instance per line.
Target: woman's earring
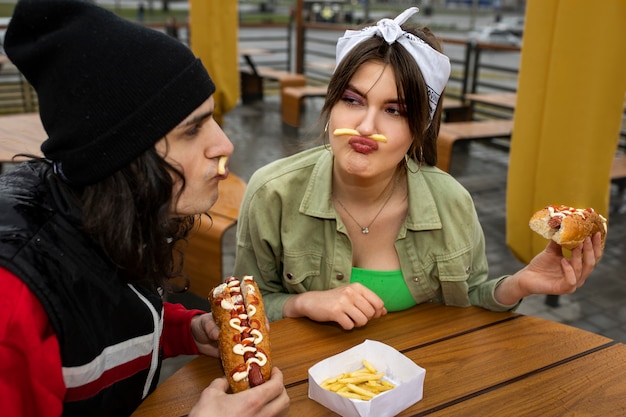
x=326, y=135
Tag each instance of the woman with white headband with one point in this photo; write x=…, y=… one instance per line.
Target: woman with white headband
x=369, y=225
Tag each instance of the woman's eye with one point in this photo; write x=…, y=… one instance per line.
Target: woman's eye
x=351, y=98
x=395, y=111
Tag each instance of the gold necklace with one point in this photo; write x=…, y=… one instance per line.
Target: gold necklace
x=366, y=229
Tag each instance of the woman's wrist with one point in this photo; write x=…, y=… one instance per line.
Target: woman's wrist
x=290, y=308
x=508, y=291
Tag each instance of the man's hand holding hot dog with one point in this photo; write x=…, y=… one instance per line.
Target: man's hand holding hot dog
x=205, y=332
x=268, y=399
x=215, y=402
x=351, y=305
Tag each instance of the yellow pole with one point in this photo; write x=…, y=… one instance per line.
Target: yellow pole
x=569, y=109
x=214, y=27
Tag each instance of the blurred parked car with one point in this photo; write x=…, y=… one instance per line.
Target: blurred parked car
x=494, y=35
x=513, y=24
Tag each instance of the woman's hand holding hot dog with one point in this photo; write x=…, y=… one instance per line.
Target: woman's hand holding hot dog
x=552, y=273
x=351, y=305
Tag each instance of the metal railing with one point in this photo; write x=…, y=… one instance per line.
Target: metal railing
x=16, y=94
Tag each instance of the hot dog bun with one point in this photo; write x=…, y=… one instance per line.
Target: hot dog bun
x=568, y=226
x=244, y=343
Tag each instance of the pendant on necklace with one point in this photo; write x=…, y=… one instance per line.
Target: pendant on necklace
x=365, y=230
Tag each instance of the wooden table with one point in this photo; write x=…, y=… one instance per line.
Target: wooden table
x=475, y=360
x=251, y=77
x=20, y=133
x=247, y=54
x=502, y=100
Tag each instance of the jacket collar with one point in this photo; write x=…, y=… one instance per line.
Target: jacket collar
x=422, y=215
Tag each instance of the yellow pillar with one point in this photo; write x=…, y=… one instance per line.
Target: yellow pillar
x=214, y=27
x=570, y=100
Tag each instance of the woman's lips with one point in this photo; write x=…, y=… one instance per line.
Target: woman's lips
x=363, y=145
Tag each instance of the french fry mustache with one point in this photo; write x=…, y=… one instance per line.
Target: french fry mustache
x=352, y=132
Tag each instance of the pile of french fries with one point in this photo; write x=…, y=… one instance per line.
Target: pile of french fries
x=362, y=384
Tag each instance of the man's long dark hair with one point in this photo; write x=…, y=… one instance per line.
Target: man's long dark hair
x=128, y=215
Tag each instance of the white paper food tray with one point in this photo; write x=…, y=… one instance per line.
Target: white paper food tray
x=399, y=370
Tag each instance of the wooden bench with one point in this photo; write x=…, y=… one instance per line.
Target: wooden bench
x=252, y=84
x=203, y=253
x=453, y=110
x=451, y=133
x=292, y=100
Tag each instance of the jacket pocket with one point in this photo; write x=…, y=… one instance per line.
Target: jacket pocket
x=301, y=272
x=454, y=270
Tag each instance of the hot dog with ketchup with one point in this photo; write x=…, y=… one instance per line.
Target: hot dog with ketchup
x=568, y=226
x=244, y=342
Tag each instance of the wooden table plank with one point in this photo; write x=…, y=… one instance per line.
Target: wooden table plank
x=468, y=364
x=566, y=389
x=479, y=129
x=502, y=100
x=419, y=326
x=177, y=394
x=505, y=100
x=20, y=133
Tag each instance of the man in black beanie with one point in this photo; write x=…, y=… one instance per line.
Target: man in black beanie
x=88, y=233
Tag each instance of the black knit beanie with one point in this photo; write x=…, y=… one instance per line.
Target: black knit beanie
x=108, y=88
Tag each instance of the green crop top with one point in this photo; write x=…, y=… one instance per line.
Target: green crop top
x=388, y=285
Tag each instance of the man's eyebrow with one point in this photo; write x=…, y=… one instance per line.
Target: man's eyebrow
x=195, y=119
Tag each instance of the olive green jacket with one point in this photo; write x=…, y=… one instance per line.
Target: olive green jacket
x=291, y=239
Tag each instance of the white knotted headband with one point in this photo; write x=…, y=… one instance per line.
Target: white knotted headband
x=435, y=66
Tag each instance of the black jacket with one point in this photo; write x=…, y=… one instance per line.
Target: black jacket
x=108, y=330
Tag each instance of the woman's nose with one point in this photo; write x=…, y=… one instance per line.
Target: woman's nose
x=367, y=125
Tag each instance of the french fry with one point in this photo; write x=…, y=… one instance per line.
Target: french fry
x=362, y=384
x=357, y=379
x=378, y=137
x=369, y=366
x=343, y=131
x=221, y=165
